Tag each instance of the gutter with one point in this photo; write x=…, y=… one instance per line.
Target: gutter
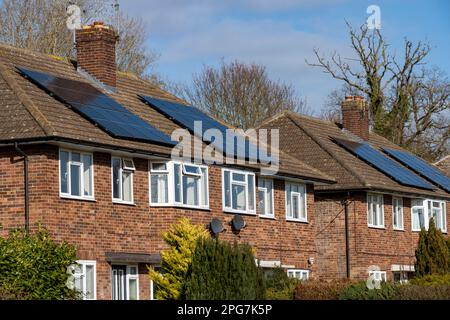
x=26, y=187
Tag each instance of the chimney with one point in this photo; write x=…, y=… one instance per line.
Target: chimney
x=355, y=116
x=96, y=52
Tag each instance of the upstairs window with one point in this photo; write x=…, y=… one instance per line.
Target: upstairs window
x=76, y=174
x=122, y=179
x=265, y=198
x=296, y=202
x=397, y=213
x=423, y=210
x=375, y=210
x=238, y=191
x=179, y=184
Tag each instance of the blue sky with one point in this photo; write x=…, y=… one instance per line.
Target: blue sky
x=280, y=34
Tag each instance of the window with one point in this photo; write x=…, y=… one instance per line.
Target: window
x=397, y=213
x=180, y=184
x=378, y=275
x=238, y=191
x=76, y=174
x=436, y=210
x=122, y=179
x=153, y=286
x=296, y=202
x=375, y=210
x=402, y=276
x=265, y=198
x=423, y=210
x=125, y=282
x=85, y=280
x=298, y=274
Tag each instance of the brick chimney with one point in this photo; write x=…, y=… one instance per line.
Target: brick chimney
x=355, y=116
x=96, y=52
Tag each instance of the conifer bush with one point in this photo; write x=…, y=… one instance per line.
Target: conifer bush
x=181, y=238
x=432, y=253
x=223, y=271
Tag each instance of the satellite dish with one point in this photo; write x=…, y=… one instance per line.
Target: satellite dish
x=238, y=222
x=216, y=226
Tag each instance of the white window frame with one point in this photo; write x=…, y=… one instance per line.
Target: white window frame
x=170, y=171
x=291, y=274
x=378, y=197
x=129, y=277
x=266, y=196
x=378, y=275
x=248, y=175
x=123, y=167
x=399, y=201
x=289, y=215
x=426, y=204
x=68, y=195
x=83, y=264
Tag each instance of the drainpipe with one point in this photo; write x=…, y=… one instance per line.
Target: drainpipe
x=347, y=238
x=26, y=187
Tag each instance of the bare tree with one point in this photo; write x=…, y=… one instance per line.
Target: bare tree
x=407, y=102
x=40, y=25
x=240, y=94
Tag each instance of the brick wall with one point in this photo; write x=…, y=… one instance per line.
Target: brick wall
x=101, y=226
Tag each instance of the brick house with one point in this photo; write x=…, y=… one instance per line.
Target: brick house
x=444, y=164
x=111, y=196
x=367, y=221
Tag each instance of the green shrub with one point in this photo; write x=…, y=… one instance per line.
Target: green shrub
x=432, y=280
x=279, y=286
x=432, y=254
x=223, y=271
x=35, y=267
x=415, y=292
x=320, y=290
x=359, y=291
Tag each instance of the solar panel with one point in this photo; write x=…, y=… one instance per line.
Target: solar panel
x=384, y=164
x=185, y=116
x=99, y=108
x=421, y=167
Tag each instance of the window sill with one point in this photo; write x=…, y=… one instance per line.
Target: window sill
x=398, y=229
x=377, y=227
x=178, y=206
x=247, y=213
x=124, y=203
x=297, y=220
x=267, y=217
x=68, y=197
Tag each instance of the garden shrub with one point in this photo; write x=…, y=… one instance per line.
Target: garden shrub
x=223, y=271
x=432, y=280
x=279, y=286
x=359, y=291
x=320, y=290
x=35, y=267
x=416, y=292
x=181, y=238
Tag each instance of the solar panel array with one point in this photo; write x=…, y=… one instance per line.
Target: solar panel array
x=384, y=164
x=186, y=116
x=99, y=108
x=420, y=167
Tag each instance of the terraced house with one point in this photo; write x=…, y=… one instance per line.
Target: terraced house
x=86, y=152
x=369, y=221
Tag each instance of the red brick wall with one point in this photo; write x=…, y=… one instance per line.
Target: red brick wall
x=101, y=226
x=368, y=246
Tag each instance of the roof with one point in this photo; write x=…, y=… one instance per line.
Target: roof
x=29, y=113
x=318, y=150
